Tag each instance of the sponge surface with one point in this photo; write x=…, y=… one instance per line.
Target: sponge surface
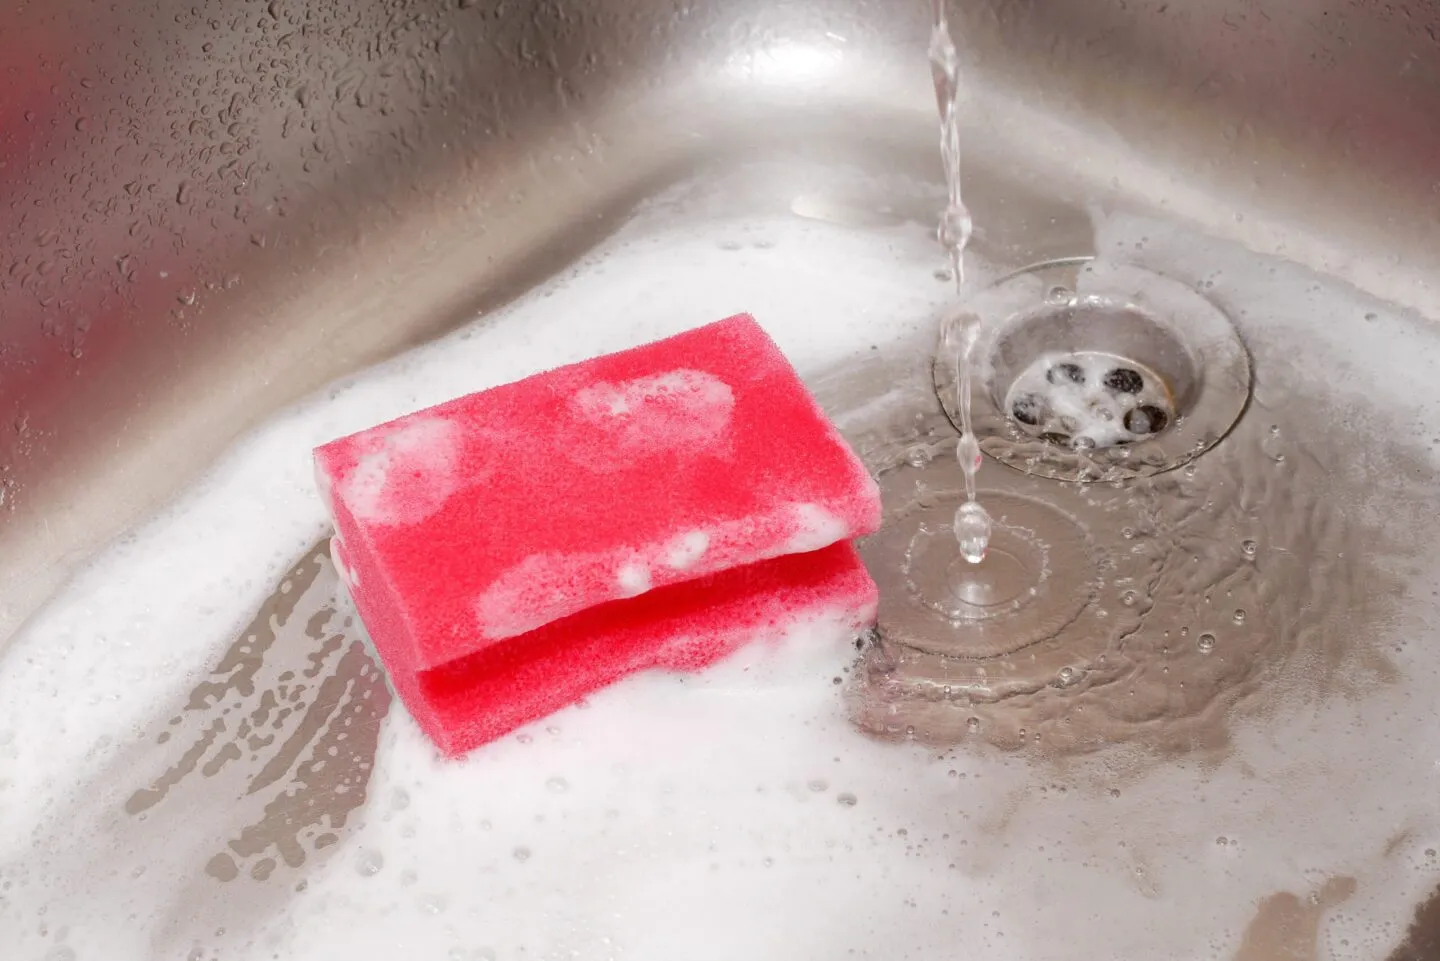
x=493, y=515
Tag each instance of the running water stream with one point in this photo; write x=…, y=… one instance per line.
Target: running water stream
x=972, y=523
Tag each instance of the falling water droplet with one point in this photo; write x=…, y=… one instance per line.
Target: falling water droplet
x=955, y=228
x=1239, y=615
x=972, y=531
x=1205, y=643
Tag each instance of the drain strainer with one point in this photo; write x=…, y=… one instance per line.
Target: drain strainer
x=1090, y=400
x=1085, y=370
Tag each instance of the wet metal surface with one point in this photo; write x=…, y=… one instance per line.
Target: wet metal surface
x=1200, y=586
x=264, y=764
x=212, y=209
x=1422, y=940
x=1287, y=926
x=296, y=704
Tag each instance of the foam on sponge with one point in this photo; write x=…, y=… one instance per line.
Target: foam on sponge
x=512, y=550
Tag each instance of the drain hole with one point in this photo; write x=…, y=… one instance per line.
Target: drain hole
x=1125, y=380
x=1029, y=410
x=1146, y=370
x=1065, y=373
x=1146, y=419
x=1088, y=401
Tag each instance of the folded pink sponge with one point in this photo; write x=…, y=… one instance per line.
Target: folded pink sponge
x=513, y=550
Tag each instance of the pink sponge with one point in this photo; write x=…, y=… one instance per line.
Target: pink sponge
x=683, y=627
x=468, y=527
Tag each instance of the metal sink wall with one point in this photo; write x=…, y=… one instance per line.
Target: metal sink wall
x=209, y=209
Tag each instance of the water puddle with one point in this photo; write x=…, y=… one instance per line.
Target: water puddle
x=305, y=738
x=1146, y=610
x=1422, y=940
x=1287, y=927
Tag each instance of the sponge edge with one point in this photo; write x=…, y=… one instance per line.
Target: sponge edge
x=684, y=627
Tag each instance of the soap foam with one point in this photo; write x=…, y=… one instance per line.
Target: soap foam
x=682, y=411
x=686, y=550
x=731, y=814
x=406, y=473
x=815, y=527
x=342, y=566
x=634, y=579
x=534, y=592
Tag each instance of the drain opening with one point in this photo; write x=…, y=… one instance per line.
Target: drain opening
x=1090, y=400
x=1087, y=371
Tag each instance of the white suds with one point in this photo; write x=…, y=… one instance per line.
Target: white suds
x=687, y=549
x=817, y=528
x=406, y=474
x=337, y=557
x=534, y=592
x=680, y=410
x=634, y=578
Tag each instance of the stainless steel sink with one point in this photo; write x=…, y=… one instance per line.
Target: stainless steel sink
x=213, y=210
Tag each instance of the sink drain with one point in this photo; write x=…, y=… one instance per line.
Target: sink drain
x=1086, y=371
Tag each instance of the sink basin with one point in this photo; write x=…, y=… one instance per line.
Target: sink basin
x=234, y=230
